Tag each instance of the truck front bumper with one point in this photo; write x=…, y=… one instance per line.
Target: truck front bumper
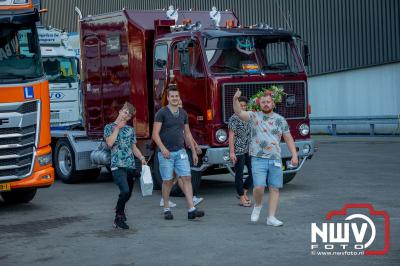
x=38, y=179
x=220, y=156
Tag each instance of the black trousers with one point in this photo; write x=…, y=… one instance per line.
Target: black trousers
x=124, y=178
x=243, y=160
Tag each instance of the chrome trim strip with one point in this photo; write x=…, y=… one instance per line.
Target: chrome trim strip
x=16, y=135
x=14, y=156
x=8, y=167
x=38, y=122
x=8, y=146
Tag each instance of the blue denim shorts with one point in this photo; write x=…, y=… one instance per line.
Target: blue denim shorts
x=267, y=172
x=178, y=161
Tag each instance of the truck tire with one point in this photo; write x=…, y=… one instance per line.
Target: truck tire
x=19, y=196
x=64, y=162
x=175, y=191
x=288, y=177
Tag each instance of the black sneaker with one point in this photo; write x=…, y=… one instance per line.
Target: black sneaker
x=120, y=223
x=123, y=214
x=195, y=214
x=168, y=215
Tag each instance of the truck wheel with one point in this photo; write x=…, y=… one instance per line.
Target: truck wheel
x=19, y=196
x=288, y=177
x=64, y=162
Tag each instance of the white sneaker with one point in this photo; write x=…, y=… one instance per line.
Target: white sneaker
x=197, y=201
x=255, y=215
x=273, y=221
x=171, y=204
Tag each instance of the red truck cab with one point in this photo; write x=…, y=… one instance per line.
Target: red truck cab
x=133, y=56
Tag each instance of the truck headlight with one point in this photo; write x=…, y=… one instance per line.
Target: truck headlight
x=304, y=129
x=19, y=2
x=45, y=159
x=221, y=135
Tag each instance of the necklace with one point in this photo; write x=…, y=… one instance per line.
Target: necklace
x=175, y=114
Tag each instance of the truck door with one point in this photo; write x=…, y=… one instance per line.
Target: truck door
x=92, y=84
x=160, y=74
x=191, y=82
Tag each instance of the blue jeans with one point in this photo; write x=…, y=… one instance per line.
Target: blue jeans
x=124, y=179
x=178, y=161
x=267, y=172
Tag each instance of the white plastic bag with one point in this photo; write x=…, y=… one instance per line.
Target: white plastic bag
x=146, y=181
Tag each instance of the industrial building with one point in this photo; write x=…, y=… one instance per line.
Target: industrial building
x=354, y=84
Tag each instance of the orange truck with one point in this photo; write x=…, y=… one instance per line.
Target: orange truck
x=25, y=152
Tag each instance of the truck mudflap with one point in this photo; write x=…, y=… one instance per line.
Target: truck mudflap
x=220, y=156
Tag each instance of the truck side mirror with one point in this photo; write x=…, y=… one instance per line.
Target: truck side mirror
x=306, y=54
x=161, y=63
x=78, y=66
x=184, y=58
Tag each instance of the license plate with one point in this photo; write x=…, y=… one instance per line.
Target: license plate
x=5, y=187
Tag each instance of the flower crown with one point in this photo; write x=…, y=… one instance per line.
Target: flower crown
x=274, y=91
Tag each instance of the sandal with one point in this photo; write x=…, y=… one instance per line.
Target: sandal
x=245, y=204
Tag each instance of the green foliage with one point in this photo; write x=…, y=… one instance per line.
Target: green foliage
x=276, y=92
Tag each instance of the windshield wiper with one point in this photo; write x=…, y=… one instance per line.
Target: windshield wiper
x=228, y=67
x=9, y=75
x=276, y=66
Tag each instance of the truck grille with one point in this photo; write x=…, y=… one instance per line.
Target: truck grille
x=10, y=174
x=17, y=139
x=292, y=106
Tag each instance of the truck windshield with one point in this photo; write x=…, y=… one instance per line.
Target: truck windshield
x=19, y=53
x=252, y=55
x=60, y=69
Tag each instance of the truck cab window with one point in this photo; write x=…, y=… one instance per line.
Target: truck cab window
x=160, y=56
x=195, y=58
x=113, y=43
x=60, y=69
x=19, y=53
x=279, y=58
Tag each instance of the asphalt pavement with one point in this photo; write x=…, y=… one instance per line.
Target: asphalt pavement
x=72, y=224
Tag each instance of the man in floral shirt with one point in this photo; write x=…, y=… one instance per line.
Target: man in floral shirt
x=121, y=139
x=267, y=129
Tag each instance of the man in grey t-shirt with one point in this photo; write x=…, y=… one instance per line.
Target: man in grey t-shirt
x=169, y=131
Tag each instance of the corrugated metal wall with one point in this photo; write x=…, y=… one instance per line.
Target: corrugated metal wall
x=342, y=34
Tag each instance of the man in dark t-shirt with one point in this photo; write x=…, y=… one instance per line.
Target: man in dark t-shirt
x=169, y=131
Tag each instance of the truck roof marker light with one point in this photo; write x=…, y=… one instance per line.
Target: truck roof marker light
x=230, y=23
x=209, y=114
x=187, y=22
x=264, y=26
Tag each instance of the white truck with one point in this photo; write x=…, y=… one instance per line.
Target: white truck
x=71, y=147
